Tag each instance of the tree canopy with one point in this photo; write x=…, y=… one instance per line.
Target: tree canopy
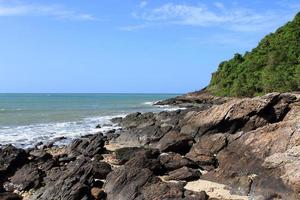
x=273, y=66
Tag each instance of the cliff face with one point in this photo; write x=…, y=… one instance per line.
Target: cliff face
x=274, y=65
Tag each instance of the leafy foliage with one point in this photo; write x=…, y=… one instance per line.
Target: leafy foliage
x=274, y=65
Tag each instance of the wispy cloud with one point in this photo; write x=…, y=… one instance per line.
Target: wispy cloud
x=133, y=27
x=143, y=4
x=217, y=14
x=56, y=11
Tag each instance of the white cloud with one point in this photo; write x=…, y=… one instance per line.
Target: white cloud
x=143, y=4
x=55, y=11
x=233, y=17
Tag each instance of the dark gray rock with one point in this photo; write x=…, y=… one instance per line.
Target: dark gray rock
x=11, y=158
x=175, y=142
x=101, y=169
x=26, y=178
x=71, y=182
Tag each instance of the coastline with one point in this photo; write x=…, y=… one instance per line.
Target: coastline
x=225, y=148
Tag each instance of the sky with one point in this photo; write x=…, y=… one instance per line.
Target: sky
x=127, y=46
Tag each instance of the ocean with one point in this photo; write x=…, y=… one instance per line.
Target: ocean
x=26, y=119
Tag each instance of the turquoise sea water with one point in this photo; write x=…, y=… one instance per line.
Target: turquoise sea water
x=26, y=119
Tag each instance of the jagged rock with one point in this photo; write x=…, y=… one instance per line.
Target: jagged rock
x=233, y=115
x=88, y=146
x=161, y=190
x=201, y=98
x=11, y=158
x=53, y=141
x=40, y=154
x=175, y=142
x=26, y=178
x=116, y=120
x=125, y=182
x=138, y=120
x=98, y=126
x=184, y=173
x=140, y=136
x=71, y=182
x=122, y=155
x=172, y=161
x=203, y=152
x=101, y=169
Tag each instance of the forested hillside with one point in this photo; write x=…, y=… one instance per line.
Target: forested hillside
x=274, y=65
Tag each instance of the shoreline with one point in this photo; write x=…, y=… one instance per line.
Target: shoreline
x=216, y=150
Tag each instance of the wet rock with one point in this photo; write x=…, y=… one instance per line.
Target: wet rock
x=184, y=173
x=175, y=142
x=116, y=120
x=172, y=161
x=98, y=126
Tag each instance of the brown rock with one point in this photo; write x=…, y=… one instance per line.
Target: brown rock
x=184, y=173
x=98, y=193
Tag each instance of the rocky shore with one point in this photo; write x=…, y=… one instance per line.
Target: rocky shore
x=217, y=149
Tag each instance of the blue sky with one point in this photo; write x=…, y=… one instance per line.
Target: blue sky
x=125, y=45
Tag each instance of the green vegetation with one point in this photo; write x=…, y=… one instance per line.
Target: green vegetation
x=272, y=66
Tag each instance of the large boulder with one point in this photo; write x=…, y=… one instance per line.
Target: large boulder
x=101, y=169
x=161, y=190
x=176, y=142
x=88, y=146
x=71, y=182
x=184, y=174
x=125, y=182
x=138, y=120
x=238, y=114
x=171, y=161
x=139, y=136
x=11, y=158
x=26, y=178
x=203, y=152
